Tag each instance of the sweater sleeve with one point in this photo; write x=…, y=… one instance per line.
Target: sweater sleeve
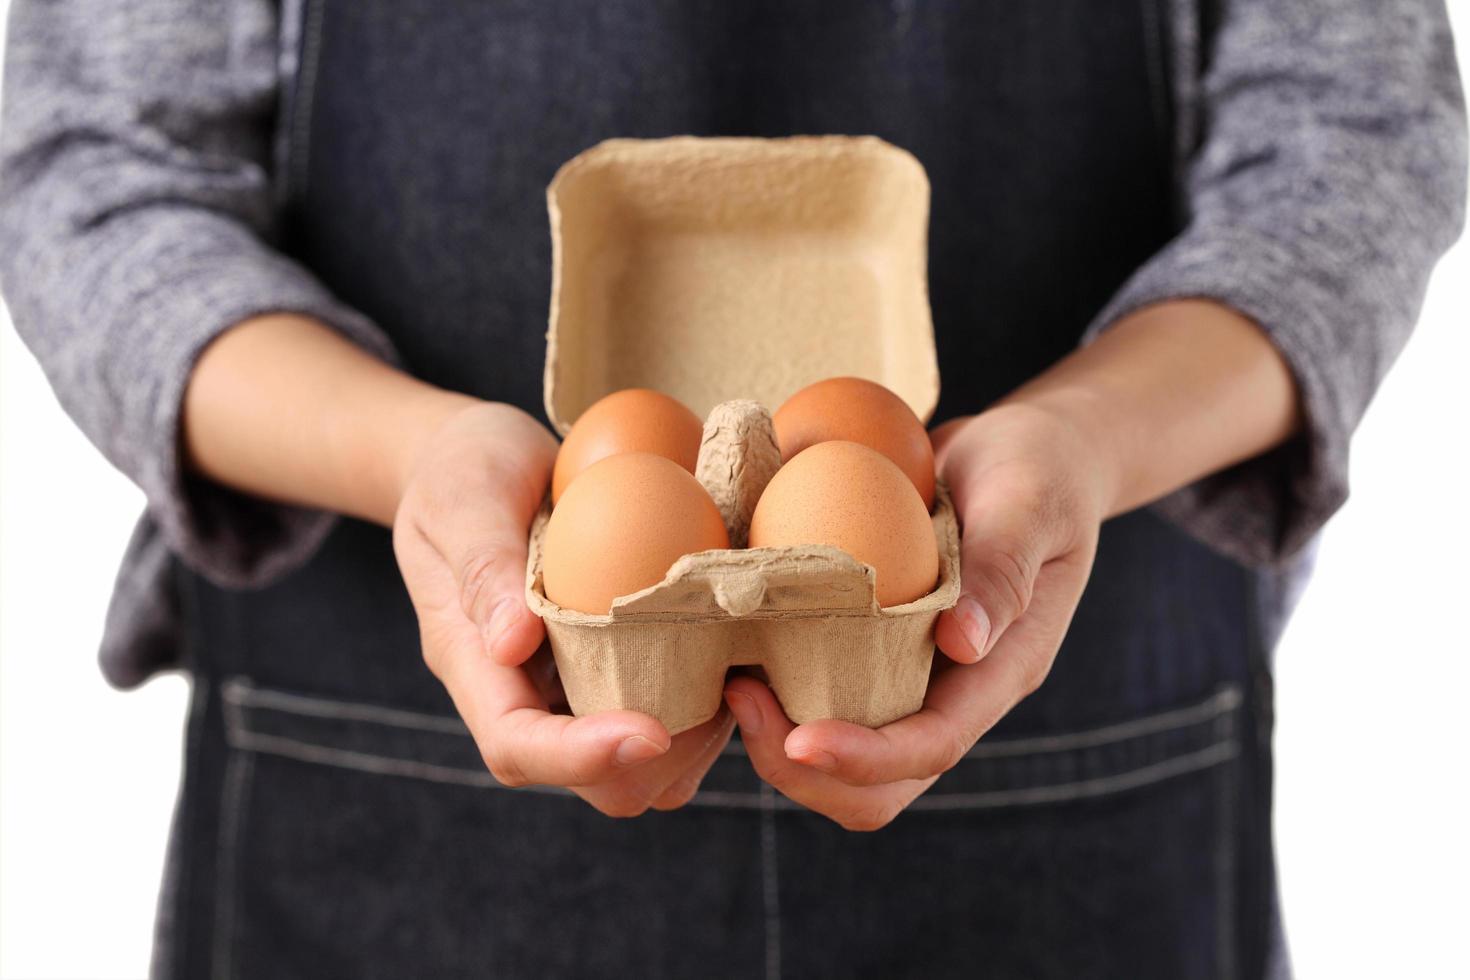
x=1328, y=178
x=136, y=220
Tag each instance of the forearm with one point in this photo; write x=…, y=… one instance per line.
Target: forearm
x=283, y=407
x=1169, y=394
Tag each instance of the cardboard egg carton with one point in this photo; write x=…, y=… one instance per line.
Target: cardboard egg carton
x=730, y=273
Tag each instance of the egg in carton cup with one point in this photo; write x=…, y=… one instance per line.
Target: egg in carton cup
x=730, y=273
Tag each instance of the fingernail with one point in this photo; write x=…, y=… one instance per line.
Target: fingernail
x=817, y=759
x=746, y=711
x=635, y=749
x=973, y=623
x=502, y=614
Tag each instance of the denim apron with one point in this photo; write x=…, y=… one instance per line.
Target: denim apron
x=336, y=820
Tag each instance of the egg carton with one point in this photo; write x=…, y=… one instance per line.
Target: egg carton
x=730, y=273
x=807, y=616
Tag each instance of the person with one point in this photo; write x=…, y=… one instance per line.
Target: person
x=284, y=262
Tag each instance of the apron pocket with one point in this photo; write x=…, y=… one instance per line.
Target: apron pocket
x=1110, y=852
x=360, y=841
x=368, y=841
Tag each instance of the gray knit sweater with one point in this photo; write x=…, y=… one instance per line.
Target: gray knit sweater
x=1321, y=161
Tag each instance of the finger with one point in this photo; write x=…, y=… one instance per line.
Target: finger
x=541, y=668
x=520, y=741
x=669, y=782
x=1006, y=536
x=764, y=728
x=953, y=633
x=940, y=436
x=997, y=578
x=683, y=787
x=634, y=792
x=963, y=703
x=483, y=545
x=955, y=628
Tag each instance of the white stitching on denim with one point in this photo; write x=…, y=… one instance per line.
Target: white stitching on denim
x=1213, y=755
x=238, y=770
x=727, y=799
x=168, y=945
x=381, y=765
x=241, y=694
x=1143, y=776
x=770, y=882
x=237, y=692
x=377, y=764
x=1225, y=803
x=1220, y=703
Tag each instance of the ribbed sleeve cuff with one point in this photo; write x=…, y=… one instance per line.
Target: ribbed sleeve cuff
x=1266, y=510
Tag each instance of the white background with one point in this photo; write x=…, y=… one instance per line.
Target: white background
x=1373, y=783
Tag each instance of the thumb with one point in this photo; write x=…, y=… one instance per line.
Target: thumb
x=489, y=563
x=943, y=434
x=1001, y=554
x=474, y=492
x=479, y=537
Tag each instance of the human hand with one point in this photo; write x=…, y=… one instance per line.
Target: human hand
x=1030, y=490
x=460, y=536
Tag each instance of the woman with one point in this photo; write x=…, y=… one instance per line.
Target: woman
x=286, y=263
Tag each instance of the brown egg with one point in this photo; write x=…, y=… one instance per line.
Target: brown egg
x=863, y=412
x=634, y=420
x=848, y=496
x=620, y=525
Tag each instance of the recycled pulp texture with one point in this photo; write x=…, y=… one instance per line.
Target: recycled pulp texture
x=806, y=615
x=743, y=269
x=716, y=269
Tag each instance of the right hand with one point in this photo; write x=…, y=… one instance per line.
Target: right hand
x=460, y=535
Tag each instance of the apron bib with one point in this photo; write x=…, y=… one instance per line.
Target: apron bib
x=336, y=819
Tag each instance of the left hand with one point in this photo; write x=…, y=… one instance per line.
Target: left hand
x=1030, y=490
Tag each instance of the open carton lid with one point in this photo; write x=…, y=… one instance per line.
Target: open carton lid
x=720, y=269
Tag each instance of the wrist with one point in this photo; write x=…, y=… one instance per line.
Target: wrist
x=496, y=446
x=1085, y=437
x=1168, y=394
x=414, y=423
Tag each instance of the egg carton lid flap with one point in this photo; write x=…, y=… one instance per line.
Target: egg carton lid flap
x=721, y=268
